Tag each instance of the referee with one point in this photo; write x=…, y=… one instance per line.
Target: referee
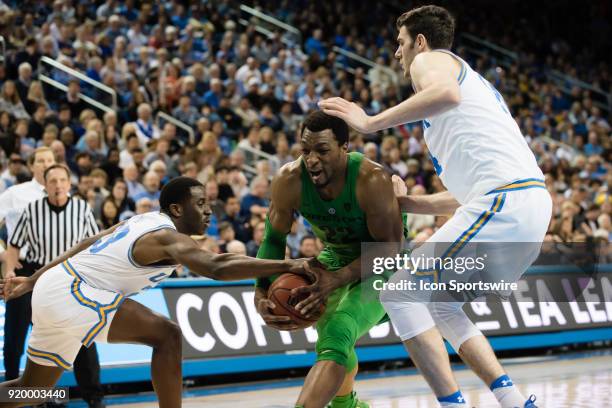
x=49, y=226
x=12, y=203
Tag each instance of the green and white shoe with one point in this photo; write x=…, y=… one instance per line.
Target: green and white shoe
x=348, y=401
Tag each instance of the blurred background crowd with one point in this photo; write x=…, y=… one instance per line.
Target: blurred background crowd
x=243, y=85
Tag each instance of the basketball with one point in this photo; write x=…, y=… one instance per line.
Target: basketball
x=280, y=294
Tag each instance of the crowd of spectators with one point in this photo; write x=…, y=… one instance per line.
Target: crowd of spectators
x=239, y=88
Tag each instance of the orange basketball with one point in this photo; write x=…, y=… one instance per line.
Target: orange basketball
x=280, y=293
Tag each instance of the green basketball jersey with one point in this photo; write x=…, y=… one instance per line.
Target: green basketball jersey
x=339, y=223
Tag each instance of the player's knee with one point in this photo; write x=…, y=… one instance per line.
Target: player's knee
x=168, y=335
x=337, y=340
x=452, y=322
x=174, y=334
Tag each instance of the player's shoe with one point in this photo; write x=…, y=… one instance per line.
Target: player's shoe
x=348, y=401
x=530, y=402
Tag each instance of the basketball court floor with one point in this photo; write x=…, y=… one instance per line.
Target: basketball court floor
x=577, y=380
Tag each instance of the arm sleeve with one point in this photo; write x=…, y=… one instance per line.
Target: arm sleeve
x=6, y=203
x=91, y=226
x=19, y=237
x=272, y=247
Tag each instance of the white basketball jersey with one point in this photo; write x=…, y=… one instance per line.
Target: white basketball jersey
x=477, y=146
x=109, y=263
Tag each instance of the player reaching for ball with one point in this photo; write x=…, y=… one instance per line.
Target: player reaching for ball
x=348, y=200
x=80, y=297
x=495, y=190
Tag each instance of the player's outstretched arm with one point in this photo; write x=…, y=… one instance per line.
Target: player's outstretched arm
x=434, y=204
x=15, y=287
x=433, y=76
x=169, y=245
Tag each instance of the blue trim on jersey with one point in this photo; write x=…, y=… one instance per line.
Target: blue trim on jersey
x=437, y=167
x=103, y=313
x=462, y=73
x=133, y=262
x=477, y=226
x=502, y=202
x=76, y=288
x=103, y=310
x=523, y=188
x=520, y=185
x=53, y=357
x=469, y=233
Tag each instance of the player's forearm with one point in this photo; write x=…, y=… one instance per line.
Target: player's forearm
x=237, y=267
x=429, y=102
x=350, y=273
x=434, y=204
x=12, y=259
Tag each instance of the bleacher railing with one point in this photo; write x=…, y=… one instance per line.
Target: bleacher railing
x=505, y=58
x=256, y=155
x=42, y=75
x=293, y=34
x=163, y=116
x=2, y=50
x=366, y=63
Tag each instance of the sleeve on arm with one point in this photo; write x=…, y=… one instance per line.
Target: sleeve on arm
x=272, y=247
x=19, y=236
x=90, y=222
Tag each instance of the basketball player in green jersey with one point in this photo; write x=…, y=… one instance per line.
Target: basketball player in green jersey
x=348, y=200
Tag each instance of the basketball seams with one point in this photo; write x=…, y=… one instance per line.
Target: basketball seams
x=290, y=311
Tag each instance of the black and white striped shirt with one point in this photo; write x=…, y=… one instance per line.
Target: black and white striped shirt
x=49, y=230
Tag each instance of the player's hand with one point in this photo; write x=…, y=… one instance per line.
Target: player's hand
x=14, y=287
x=324, y=284
x=264, y=307
x=400, y=189
x=350, y=112
x=298, y=267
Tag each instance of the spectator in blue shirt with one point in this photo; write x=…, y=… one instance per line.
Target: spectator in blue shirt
x=151, y=184
x=314, y=44
x=593, y=148
x=213, y=97
x=256, y=202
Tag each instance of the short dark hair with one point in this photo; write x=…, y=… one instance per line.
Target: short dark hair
x=177, y=191
x=222, y=167
x=56, y=166
x=317, y=121
x=80, y=155
x=435, y=23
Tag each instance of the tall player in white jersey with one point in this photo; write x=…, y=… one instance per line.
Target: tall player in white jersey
x=81, y=297
x=495, y=190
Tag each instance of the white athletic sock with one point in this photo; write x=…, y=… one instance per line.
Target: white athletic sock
x=507, y=394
